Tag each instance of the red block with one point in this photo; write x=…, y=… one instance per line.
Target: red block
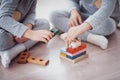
x=72, y=51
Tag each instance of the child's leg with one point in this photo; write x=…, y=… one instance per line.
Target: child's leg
x=9, y=54
x=60, y=20
x=6, y=40
x=97, y=36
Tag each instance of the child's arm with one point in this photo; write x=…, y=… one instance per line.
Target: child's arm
x=30, y=17
x=7, y=22
x=93, y=21
x=103, y=13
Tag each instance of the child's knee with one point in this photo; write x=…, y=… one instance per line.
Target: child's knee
x=56, y=14
x=111, y=26
x=42, y=24
x=6, y=40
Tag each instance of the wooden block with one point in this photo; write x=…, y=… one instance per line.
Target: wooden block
x=22, y=59
x=76, y=56
x=72, y=57
x=63, y=54
x=63, y=50
x=55, y=31
x=38, y=61
x=75, y=60
x=72, y=51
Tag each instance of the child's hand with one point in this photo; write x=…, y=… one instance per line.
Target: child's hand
x=74, y=32
x=22, y=40
x=75, y=18
x=39, y=35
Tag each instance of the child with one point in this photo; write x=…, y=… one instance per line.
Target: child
x=88, y=20
x=17, y=25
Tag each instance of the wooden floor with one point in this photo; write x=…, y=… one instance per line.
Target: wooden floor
x=100, y=65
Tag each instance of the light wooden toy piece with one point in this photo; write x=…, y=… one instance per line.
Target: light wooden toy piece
x=74, y=44
x=22, y=59
x=38, y=61
x=74, y=60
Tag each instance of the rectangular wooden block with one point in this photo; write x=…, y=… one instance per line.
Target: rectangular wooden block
x=76, y=56
x=63, y=54
x=75, y=60
x=63, y=50
x=72, y=57
x=38, y=61
x=22, y=59
x=55, y=31
x=72, y=51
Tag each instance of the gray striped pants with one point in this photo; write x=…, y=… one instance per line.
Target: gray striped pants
x=60, y=20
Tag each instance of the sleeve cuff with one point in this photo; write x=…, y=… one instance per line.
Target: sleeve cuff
x=69, y=10
x=29, y=21
x=21, y=30
x=93, y=22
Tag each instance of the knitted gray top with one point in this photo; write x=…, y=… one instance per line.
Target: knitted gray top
x=94, y=14
x=27, y=11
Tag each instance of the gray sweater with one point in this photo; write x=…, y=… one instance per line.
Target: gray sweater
x=27, y=10
x=95, y=16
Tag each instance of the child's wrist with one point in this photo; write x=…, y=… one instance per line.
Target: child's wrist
x=28, y=33
x=87, y=26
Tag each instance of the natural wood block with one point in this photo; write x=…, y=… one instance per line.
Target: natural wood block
x=38, y=61
x=63, y=54
x=22, y=59
x=75, y=60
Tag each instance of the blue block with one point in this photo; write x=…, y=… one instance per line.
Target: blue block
x=76, y=56
x=63, y=50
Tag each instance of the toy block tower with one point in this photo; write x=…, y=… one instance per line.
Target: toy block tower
x=75, y=53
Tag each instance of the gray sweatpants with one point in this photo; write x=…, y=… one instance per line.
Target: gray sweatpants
x=60, y=20
x=7, y=41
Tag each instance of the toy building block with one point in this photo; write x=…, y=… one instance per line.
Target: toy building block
x=63, y=50
x=38, y=61
x=76, y=56
x=72, y=51
x=55, y=31
x=22, y=59
x=72, y=57
x=75, y=60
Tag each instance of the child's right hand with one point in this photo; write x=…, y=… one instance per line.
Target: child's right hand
x=38, y=35
x=75, y=18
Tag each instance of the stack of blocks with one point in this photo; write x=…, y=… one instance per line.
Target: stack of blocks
x=74, y=54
